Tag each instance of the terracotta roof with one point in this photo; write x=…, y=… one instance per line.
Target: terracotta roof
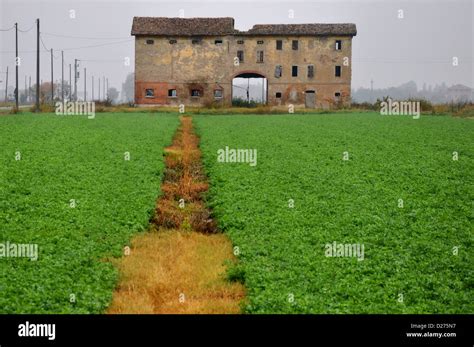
x=303, y=29
x=165, y=26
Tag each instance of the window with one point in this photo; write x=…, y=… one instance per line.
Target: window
x=218, y=42
x=259, y=42
x=294, y=71
x=279, y=45
x=172, y=42
x=294, y=45
x=218, y=94
x=337, y=96
x=310, y=71
x=196, y=41
x=338, y=71
x=278, y=71
x=338, y=45
x=150, y=42
x=278, y=95
x=172, y=93
x=240, y=56
x=149, y=93
x=259, y=56
x=240, y=42
x=195, y=93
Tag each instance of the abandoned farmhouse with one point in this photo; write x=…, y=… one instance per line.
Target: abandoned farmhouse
x=193, y=61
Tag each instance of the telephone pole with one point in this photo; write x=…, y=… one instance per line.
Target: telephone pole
x=85, y=85
x=52, y=81
x=37, y=65
x=107, y=89
x=92, y=88
x=6, y=87
x=99, y=87
x=17, y=62
x=103, y=86
x=70, y=84
x=62, y=76
x=29, y=88
x=75, y=79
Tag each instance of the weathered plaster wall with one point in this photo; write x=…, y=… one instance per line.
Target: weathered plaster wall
x=184, y=66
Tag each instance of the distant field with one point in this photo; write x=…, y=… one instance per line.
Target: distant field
x=72, y=157
x=417, y=256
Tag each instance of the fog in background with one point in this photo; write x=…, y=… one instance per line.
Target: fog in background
x=387, y=50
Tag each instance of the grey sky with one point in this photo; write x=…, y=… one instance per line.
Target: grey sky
x=387, y=49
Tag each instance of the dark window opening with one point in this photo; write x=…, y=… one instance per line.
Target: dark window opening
x=218, y=42
x=294, y=45
x=278, y=95
x=338, y=71
x=338, y=45
x=172, y=42
x=278, y=71
x=218, y=93
x=195, y=92
x=259, y=42
x=196, y=41
x=240, y=56
x=150, y=42
x=279, y=45
x=240, y=42
x=259, y=56
x=310, y=71
x=149, y=93
x=294, y=71
x=172, y=93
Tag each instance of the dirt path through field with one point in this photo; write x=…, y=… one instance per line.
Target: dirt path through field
x=179, y=265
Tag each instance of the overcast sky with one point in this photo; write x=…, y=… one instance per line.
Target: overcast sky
x=389, y=50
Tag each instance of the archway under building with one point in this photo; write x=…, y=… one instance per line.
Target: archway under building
x=249, y=88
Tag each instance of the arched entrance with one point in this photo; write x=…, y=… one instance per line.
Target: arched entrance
x=249, y=87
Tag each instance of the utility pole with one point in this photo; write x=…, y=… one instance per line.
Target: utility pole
x=17, y=62
x=37, y=65
x=29, y=88
x=92, y=88
x=85, y=85
x=62, y=77
x=26, y=90
x=107, y=89
x=6, y=87
x=70, y=83
x=99, y=87
x=75, y=79
x=103, y=86
x=52, y=81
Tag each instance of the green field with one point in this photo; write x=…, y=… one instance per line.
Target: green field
x=72, y=157
x=409, y=250
x=422, y=250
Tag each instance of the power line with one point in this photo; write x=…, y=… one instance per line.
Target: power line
x=13, y=27
x=25, y=31
x=86, y=38
x=72, y=48
x=100, y=45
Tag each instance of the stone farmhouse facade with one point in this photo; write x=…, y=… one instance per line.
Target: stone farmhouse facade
x=192, y=61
